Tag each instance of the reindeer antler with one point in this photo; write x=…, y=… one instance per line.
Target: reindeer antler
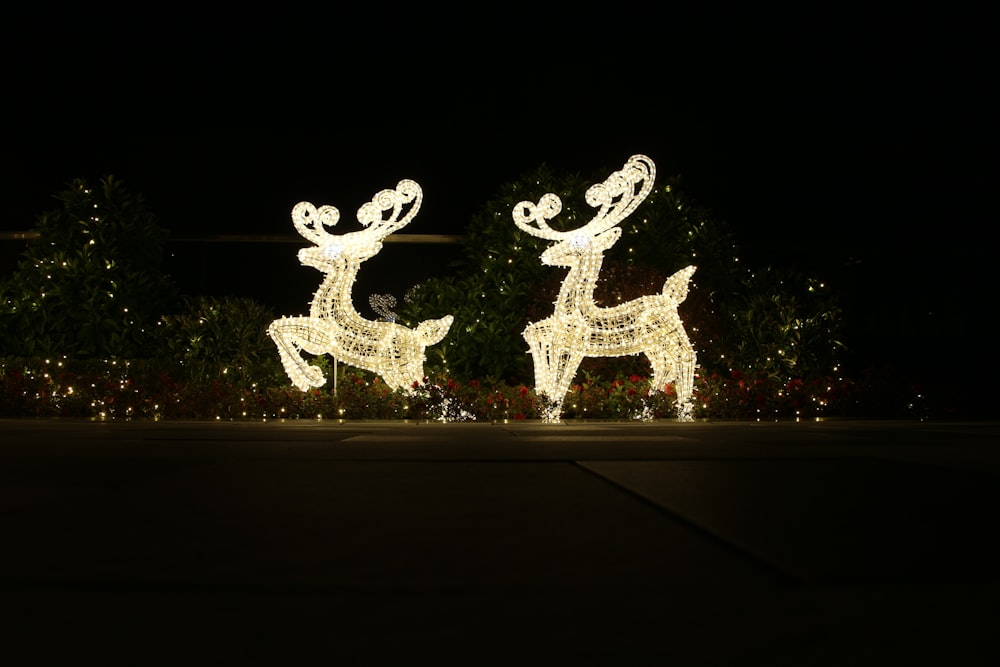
x=372, y=214
x=547, y=208
x=621, y=193
x=311, y=222
x=617, y=197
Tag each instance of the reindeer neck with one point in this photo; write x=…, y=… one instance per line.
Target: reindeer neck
x=334, y=298
x=577, y=291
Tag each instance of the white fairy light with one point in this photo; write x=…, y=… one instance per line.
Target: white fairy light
x=334, y=327
x=578, y=328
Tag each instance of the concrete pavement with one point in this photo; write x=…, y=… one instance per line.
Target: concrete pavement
x=357, y=543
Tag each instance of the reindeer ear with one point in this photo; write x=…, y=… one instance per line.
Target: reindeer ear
x=608, y=238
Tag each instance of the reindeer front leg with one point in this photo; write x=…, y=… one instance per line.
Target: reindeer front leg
x=556, y=361
x=563, y=365
x=538, y=336
x=292, y=335
x=548, y=379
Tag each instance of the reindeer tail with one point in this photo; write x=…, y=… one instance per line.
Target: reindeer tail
x=432, y=331
x=676, y=287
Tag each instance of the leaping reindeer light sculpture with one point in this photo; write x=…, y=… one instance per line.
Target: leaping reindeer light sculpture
x=333, y=326
x=579, y=328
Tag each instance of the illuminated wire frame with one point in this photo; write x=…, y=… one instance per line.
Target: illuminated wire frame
x=333, y=326
x=578, y=328
x=383, y=304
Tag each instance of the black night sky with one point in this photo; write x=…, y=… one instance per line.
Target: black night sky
x=861, y=149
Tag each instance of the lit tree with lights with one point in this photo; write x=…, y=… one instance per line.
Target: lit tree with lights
x=91, y=284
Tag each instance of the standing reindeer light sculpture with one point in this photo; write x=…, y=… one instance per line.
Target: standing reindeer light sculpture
x=579, y=328
x=333, y=326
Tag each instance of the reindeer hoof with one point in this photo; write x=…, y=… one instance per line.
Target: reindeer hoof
x=307, y=378
x=315, y=376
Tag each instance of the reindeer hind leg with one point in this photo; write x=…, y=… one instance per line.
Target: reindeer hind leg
x=678, y=370
x=685, y=363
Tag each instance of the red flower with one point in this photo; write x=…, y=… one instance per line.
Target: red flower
x=524, y=392
x=634, y=379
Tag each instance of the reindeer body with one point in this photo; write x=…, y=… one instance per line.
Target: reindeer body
x=579, y=328
x=333, y=326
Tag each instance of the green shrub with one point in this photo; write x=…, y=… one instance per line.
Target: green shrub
x=221, y=338
x=91, y=284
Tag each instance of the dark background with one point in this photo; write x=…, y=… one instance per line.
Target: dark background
x=858, y=147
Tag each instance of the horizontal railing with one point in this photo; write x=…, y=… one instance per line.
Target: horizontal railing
x=266, y=238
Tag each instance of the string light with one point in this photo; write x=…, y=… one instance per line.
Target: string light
x=578, y=328
x=383, y=304
x=333, y=326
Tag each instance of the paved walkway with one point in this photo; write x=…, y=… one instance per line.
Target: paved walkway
x=392, y=543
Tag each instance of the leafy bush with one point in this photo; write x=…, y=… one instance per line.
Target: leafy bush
x=90, y=285
x=778, y=324
x=221, y=338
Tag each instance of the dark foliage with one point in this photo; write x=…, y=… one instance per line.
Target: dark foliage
x=91, y=284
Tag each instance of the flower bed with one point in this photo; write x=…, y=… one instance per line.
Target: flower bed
x=120, y=390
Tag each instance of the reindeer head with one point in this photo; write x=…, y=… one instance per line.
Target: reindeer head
x=388, y=211
x=616, y=198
